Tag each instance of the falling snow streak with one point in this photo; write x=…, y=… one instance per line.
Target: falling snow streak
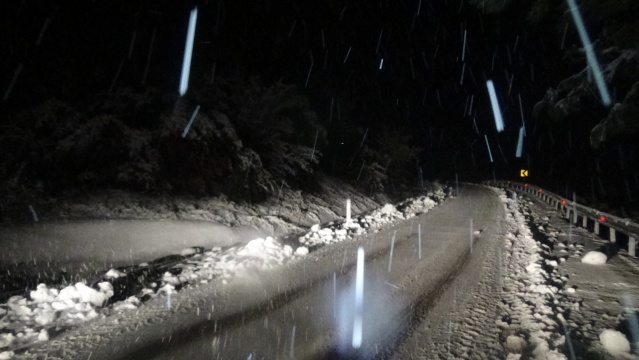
x=188, y=53
x=461, y=81
x=308, y=77
x=488, y=147
x=33, y=213
x=188, y=126
x=521, y=111
x=148, y=58
x=359, y=299
x=132, y=45
x=314, y=145
x=390, y=257
x=472, y=153
x=360, y=171
x=13, y=82
x=419, y=239
x=347, y=54
x=379, y=41
x=464, y=47
x=292, y=346
x=520, y=141
x=590, y=54
x=363, y=138
x=381, y=63
x=330, y=115
x=499, y=123
x=510, y=83
x=117, y=75
x=341, y=14
x=45, y=26
x=466, y=105
x=502, y=153
x=471, y=235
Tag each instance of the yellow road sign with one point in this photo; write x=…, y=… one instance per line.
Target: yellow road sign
x=523, y=173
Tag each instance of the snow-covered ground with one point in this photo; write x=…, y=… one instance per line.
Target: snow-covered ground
x=50, y=310
x=547, y=290
x=598, y=286
x=534, y=296
x=564, y=294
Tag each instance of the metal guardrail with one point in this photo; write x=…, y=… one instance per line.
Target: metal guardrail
x=573, y=212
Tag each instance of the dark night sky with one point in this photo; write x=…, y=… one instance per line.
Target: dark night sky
x=86, y=41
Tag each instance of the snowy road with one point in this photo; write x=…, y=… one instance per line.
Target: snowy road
x=304, y=310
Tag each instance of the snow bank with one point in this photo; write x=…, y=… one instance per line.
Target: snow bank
x=531, y=293
x=388, y=214
x=26, y=320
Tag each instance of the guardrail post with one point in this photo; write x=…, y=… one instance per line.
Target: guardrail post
x=584, y=222
x=567, y=213
x=574, y=220
x=596, y=230
x=613, y=235
x=632, y=244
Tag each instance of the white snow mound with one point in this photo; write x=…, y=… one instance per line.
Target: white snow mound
x=515, y=344
x=614, y=342
x=594, y=258
x=388, y=209
x=6, y=355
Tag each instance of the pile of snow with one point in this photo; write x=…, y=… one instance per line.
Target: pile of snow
x=532, y=294
x=594, y=258
x=27, y=320
x=388, y=214
x=615, y=343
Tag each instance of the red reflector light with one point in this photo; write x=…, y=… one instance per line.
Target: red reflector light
x=540, y=190
x=563, y=202
x=602, y=218
x=526, y=185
